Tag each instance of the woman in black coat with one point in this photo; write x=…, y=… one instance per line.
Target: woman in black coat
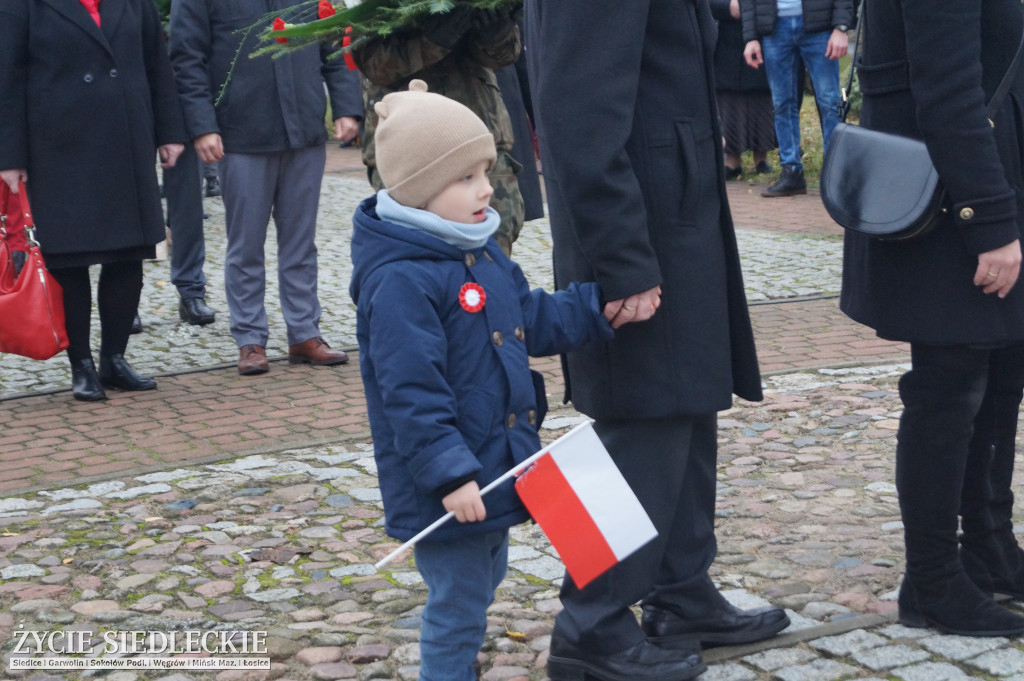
x=88, y=97
x=951, y=294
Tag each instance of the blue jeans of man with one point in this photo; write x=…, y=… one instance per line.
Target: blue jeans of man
x=781, y=50
x=461, y=576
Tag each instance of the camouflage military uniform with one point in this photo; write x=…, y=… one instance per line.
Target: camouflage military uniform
x=463, y=73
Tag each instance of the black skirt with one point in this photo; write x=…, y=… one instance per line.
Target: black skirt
x=748, y=121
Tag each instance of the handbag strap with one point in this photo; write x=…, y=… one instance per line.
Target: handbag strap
x=26, y=211
x=994, y=102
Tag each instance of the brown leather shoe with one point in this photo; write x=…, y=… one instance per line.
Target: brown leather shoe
x=252, y=359
x=315, y=351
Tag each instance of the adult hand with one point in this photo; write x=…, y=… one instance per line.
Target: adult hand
x=752, y=53
x=467, y=503
x=346, y=128
x=210, y=147
x=734, y=8
x=838, y=44
x=169, y=154
x=636, y=308
x=12, y=176
x=998, y=269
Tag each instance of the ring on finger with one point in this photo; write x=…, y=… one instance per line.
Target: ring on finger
x=627, y=308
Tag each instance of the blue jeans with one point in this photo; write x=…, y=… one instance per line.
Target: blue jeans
x=461, y=576
x=780, y=54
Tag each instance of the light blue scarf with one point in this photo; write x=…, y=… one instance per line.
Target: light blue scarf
x=461, y=235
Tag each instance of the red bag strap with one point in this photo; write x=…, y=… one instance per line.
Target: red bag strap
x=23, y=218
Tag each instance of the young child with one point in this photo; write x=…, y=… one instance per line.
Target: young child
x=446, y=324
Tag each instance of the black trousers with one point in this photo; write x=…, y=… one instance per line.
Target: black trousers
x=117, y=296
x=955, y=451
x=670, y=465
x=183, y=187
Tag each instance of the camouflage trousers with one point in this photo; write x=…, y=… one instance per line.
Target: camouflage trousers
x=507, y=199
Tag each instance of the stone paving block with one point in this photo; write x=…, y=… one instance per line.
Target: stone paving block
x=770, y=660
x=728, y=671
x=887, y=657
x=819, y=670
x=930, y=671
x=959, y=648
x=1000, y=662
x=845, y=644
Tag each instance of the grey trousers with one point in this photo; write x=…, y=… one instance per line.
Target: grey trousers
x=184, y=190
x=285, y=185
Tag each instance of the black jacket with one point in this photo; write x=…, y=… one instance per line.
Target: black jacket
x=632, y=157
x=83, y=109
x=919, y=83
x=819, y=15
x=269, y=104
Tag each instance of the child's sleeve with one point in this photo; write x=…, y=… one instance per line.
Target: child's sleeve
x=561, y=321
x=408, y=348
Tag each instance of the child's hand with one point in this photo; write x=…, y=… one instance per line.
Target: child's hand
x=467, y=503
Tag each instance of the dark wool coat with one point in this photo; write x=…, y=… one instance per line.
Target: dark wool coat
x=819, y=15
x=919, y=83
x=632, y=155
x=83, y=109
x=732, y=73
x=449, y=390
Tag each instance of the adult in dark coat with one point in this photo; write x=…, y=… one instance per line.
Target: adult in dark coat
x=636, y=194
x=87, y=102
x=951, y=294
x=743, y=96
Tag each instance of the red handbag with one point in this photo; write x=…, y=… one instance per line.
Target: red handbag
x=31, y=302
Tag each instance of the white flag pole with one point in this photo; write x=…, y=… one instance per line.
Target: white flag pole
x=515, y=470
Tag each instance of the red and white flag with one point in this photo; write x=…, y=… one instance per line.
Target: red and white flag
x=584, y=505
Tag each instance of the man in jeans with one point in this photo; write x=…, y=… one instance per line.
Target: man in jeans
x=816, y=32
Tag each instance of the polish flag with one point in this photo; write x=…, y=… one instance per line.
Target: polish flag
x=579, y=498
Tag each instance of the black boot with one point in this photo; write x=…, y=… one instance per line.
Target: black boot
x=995, y=569
x=956, y=606
x=116, y=372
x=136, y=324
x=85, y=382
x=790, y=183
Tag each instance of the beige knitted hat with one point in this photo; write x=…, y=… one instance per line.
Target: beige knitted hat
x=425, y=141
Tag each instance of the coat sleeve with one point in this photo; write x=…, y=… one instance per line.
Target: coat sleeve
x=587, y=76
x=720, y=10
x=168, y=124
x=500, y=50
x=843, y=12
x=13, y=84
x=748, y=15
x=409, y=351
x=344, y=86
x=945, y=81
x=560, y=322
x=190, y=40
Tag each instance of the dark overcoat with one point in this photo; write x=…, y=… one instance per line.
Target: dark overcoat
x=732, y=73
x=83, y=109
x=919, y=83
x=632, y=156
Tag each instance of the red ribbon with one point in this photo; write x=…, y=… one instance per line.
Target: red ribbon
x=345, y=43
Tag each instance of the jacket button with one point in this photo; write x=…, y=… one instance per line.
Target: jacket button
x=113, y=73
x=511, y=420
x=470, y=260
x=87, y=78
x=533, y=417
x=488, y=256
x=966, y=213
x=498, y=340
x=519, y=333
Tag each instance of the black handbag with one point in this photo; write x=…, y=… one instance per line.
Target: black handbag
x=883, y=185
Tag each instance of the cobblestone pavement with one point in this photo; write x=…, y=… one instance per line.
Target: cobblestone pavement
x=282, y=538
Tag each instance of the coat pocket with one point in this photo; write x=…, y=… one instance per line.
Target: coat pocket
x=675, y=177
x=475, y=417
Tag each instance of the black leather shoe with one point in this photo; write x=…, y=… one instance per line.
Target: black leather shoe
x=733, y=173
x=212, y=187
x=85, y=382
x=116, y=372
x=727, y=625
x=956, y=606
x=763, y=167
x=790, y=183
x=136, y=324
x=196, y=312
x=643, y=662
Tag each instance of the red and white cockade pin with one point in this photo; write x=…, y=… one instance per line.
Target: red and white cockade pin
x=472, y=297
